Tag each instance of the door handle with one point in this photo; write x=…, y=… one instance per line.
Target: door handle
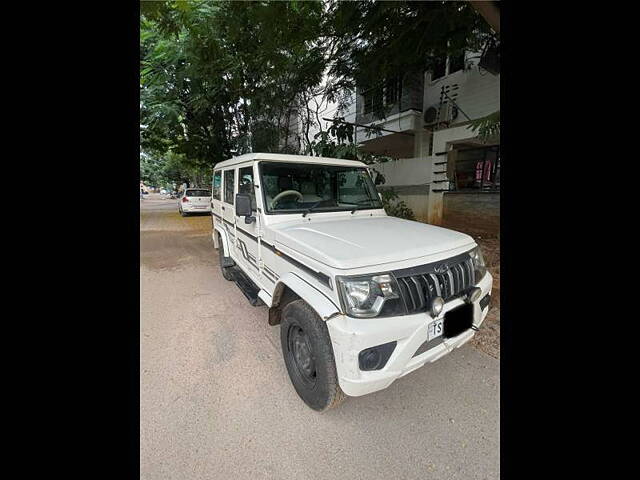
x=222, y=208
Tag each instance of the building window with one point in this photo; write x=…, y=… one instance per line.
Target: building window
x=372, y=99
x=392, y=91
x=217, y=182
x=477, y=168
x=229, y=177
x=446, y=66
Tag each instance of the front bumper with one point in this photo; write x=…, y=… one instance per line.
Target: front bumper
x=349, y=336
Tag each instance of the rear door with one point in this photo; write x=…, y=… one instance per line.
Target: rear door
x=228, y=209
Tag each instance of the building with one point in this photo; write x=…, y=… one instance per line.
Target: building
x=440, y=165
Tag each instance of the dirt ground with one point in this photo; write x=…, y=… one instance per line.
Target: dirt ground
x=216, y=401
x=487, y=235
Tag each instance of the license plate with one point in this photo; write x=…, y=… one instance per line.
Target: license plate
x=434, y=329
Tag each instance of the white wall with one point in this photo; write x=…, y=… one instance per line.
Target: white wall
x=478, y=91
x=405, y=171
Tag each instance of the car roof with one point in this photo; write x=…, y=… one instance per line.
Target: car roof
x=281, y=157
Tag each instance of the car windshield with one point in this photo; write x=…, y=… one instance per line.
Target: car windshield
x=198, y=193
x=291, y=187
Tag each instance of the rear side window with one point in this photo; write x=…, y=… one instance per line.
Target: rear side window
x=217, y=184
x=198, y=193
x=229, y=177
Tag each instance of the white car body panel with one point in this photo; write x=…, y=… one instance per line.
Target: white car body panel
x=306, y=253
x=360, y=241
x=318, y=301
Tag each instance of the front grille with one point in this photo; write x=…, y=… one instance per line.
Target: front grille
x=419, y=285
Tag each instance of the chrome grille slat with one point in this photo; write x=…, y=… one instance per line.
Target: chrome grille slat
x=451, y=285
x=429, y=290
x=420, y=294
x=463, y=282
x=413, y=302
x=472, y=271
x=436, y=283
x=423, y=285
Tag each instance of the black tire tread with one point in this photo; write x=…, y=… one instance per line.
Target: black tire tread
x=298, y=309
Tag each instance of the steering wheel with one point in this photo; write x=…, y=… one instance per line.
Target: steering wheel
x=285, y=194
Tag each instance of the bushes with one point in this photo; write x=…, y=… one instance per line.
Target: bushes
x=396, y=207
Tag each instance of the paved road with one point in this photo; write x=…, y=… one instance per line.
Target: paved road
x=216, y=401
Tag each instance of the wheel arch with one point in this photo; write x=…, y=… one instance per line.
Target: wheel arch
x=291, y=287
x=225, y=240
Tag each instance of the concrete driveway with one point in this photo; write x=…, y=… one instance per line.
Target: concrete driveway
x=216, y=401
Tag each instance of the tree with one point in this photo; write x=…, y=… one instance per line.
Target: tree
x=372, y=41
x=222, y=78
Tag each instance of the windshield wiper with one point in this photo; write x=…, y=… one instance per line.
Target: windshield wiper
x=308, y=210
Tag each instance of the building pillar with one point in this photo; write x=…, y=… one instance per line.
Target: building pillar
x=436, y=205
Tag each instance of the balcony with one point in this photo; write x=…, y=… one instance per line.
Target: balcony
x=388, y=99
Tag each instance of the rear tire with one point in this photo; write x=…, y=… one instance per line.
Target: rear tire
x=225, y=270
x=308, y=355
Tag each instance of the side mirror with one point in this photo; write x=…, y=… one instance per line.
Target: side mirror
x=243, y=206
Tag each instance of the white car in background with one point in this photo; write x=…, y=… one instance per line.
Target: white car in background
x=194, y=200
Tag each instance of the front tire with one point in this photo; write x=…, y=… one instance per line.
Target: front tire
x=308, y=355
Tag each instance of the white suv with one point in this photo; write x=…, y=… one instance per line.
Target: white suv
x=361, y=298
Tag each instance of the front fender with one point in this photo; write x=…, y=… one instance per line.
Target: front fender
x=322, y=304
x=225, y=241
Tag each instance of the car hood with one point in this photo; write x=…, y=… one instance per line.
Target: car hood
x=364, y=241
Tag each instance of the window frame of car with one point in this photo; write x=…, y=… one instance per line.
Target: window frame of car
x=220, y=186
x=267, y=211
x=233, y=185
x=252, y=194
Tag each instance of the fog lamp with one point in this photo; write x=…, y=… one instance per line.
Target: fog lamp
x=437, y=305
x=370, y=360
x=375, y=358
x=474, y=295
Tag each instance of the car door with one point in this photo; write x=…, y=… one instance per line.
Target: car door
x=228, y=210
x=248, y=232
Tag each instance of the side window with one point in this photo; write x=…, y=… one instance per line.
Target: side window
x=229, y=178
x=217, y=183
x=245, y=184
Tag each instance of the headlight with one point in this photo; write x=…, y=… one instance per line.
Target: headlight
x=370, y=296
x=478, y=263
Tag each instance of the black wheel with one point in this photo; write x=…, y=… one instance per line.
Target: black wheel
x=308, y=355
x=225, y=270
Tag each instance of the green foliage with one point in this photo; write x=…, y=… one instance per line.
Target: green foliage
x=219, y=78
x=488, y=127
x=374, y=40
x=222, y=78
x=396, y=207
